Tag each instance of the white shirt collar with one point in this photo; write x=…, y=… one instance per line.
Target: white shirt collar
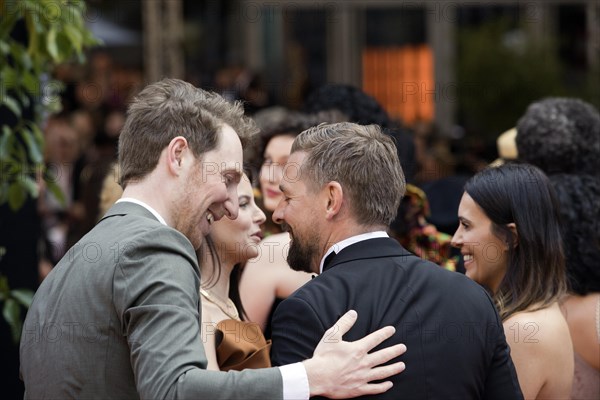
x=146, y=206
x=339, y=246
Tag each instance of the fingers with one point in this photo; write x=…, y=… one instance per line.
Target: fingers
x=376, y=338
x=373, y=388
x=384, y=355
x=342, y=325
x=378, y=374
x=385, y=371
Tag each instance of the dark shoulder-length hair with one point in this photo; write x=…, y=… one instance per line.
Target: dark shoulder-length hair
x=522, y=194
x=234, y=280
x=209, y=249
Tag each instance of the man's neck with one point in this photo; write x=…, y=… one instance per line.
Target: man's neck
x=153, y=198
x=341, y=233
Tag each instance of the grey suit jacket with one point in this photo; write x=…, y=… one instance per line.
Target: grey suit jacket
x=118, y=317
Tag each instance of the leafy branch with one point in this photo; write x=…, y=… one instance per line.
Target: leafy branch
x=14, y=300
x=56, y=33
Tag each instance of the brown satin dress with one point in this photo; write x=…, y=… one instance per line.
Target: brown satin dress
x=241, y=345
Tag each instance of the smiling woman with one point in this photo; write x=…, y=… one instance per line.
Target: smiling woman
x=229, y=342
x=511, y=243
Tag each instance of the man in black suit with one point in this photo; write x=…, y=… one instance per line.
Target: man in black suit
x=341, y=187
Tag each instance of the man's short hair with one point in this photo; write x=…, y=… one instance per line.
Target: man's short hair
x=363, y=160
x=171, y=108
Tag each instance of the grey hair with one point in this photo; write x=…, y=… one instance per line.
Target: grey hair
x=363, y=160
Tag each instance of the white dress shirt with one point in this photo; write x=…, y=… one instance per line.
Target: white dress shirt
x=349, y=241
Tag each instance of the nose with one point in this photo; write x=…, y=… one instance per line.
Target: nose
x=232, y=206
x=278, y=213
x=259, y=215
x=456, y=240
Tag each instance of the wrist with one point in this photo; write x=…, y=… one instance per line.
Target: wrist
x=316, y=386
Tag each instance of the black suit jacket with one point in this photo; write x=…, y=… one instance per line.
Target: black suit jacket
x=455, y=340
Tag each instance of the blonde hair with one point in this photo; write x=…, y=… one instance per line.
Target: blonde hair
x=111, y=190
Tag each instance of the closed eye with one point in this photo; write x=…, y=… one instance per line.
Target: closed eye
x=244, y=202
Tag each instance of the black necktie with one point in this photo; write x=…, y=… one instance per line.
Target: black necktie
x=328, y=260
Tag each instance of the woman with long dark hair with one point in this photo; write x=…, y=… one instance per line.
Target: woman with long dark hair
x=229, y=341
x=510, y=239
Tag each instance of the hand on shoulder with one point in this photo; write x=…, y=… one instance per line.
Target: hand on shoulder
x=340, y=369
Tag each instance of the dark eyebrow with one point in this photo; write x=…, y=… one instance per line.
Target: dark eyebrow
x=463, y=219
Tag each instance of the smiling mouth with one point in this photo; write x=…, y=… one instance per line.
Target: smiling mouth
x=467, y=257
x=210, y=218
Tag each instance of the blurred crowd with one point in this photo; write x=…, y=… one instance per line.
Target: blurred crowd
x=81, y=147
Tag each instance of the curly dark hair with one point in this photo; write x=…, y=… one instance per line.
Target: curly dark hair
x=578, y=197
x=360, y=108
x=560, y=135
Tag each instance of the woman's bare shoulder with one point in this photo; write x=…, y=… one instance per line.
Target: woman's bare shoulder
x=546, y=328
x=541, y=350
x=583, y=317
x=581, y=311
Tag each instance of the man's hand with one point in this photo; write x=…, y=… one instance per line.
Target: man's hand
x=341, y=369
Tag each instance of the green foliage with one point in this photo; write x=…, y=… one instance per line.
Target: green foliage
x=55, y=33
x=499, y=79
x=12, y=302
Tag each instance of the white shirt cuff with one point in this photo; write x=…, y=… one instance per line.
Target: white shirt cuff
x=295, y=382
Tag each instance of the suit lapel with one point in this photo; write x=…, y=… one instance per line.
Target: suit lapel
x=368, y=249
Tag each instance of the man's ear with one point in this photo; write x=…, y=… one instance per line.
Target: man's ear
x=515, y=234
x=334, y=195
x=176, y=150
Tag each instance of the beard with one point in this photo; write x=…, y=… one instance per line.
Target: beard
x=302, y=252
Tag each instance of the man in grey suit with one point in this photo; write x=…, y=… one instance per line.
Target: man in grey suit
x=118, y=317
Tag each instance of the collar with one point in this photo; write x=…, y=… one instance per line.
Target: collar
x=146, y=206
x=339, y=246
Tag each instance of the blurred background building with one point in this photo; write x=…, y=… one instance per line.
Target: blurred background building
x=469, y=66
